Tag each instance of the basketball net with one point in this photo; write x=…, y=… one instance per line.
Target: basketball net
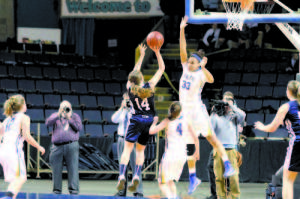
x=237, y=11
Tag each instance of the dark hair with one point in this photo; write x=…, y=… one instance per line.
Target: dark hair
x=174, y=110
x=135, y=77
x=198, y=54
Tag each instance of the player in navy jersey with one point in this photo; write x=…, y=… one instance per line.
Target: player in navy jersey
x=291, y=112
x=142, y=109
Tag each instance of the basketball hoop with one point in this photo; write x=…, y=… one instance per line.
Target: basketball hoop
x=238, y=10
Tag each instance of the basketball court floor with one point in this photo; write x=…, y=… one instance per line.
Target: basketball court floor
x=102, y=189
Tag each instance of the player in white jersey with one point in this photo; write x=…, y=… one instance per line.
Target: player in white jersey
x=14, y=130
x=175, y=154
x=192, y=81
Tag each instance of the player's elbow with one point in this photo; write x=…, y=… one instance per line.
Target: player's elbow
x=152, y=131
x=211, y=80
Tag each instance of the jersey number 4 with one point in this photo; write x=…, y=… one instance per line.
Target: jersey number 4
x=186, y=85
x=144, y=104
x=179, y=129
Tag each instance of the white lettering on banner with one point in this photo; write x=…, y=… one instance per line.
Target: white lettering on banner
x=110, y=8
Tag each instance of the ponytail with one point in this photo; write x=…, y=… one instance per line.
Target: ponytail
x=8, y=111
x=141, y=92
x=13, y=104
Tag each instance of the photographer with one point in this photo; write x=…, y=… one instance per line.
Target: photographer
x=226, y=118
x=66, y=127
x=121, y=117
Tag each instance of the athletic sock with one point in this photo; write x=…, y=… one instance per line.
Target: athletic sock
x=138, y=170
x=192, y=176
x=122, y=169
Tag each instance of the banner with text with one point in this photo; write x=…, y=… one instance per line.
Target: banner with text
x=110, y=8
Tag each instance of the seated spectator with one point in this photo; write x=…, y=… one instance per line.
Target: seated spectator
x=253, y=33
x=268, y=36
x=222, y=40
x=233, y=36
x=210, y=38
x=293, y=63
x=244, y=37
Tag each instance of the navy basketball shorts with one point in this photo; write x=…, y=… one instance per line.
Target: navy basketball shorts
x=138, y=129
x=292, y=161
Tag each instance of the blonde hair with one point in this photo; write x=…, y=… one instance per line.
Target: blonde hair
x=135, y=78
x=13, y=104
x=174, y=110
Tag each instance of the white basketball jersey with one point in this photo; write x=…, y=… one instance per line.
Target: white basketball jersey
x=191, y=85
x=12, y=133
x=176, y=131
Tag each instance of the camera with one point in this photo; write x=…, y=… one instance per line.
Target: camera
x=219, y=107
x=66, y=109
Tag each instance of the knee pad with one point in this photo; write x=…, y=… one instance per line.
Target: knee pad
x=190, y=149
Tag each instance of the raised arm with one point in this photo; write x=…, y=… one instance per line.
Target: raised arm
x=208, y=75
x=273, y=126
x=138, y=64
x=182, y=41
x=156, y=128
x=25, y=127
x=154, y=80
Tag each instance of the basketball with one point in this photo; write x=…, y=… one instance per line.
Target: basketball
x=155, y=40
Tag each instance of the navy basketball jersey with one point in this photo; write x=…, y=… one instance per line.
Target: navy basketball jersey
x=294, y=116
x=140, y=106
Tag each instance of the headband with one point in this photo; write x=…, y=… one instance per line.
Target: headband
x=197, y=57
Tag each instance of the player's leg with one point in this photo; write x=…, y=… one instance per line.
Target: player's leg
x=172, y=188
x=15, y=173
x=194, y=181
x=123, y=164
x=288, y=184
x=140, y=157
x=217, y=145
x=139, y=191
x=141, y=144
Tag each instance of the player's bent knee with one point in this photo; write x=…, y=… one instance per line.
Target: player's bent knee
x=191, y=149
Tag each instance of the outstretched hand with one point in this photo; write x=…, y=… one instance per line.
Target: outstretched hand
x=203, y=62
x=183, y=23
x=259, y=126
x=143, y=49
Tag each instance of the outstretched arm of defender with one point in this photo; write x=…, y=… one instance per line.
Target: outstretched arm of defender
x=282, y=111
x=25, y=127
x=182, y=41
x=154, y=80
x=156, y=128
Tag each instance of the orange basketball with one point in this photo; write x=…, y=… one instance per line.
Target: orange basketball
x=155, y=40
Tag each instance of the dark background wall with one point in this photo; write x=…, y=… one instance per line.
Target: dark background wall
x=37, y=13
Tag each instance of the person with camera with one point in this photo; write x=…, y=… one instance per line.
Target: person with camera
x=121, y=117
x=226, y=118
x=65, y=147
